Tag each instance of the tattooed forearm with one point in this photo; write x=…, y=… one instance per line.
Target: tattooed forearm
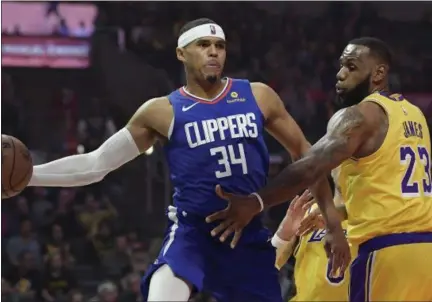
x=344, y=135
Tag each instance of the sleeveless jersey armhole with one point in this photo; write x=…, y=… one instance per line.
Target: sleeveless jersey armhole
x=249, y=86
x=171, y=126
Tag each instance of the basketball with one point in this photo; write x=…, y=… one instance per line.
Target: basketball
x=17, y=166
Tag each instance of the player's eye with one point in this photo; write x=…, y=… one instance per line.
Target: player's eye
x=351, y=67
x=204, y=44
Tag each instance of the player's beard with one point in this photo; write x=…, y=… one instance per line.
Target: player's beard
x=355, y=95
x=211, y=79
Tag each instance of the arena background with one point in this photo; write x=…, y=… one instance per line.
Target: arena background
x=73, y=73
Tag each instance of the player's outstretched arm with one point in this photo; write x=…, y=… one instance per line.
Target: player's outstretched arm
x=347, y=130
x=84, y=169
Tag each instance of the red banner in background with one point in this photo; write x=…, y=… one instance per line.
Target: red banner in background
x=46, y=52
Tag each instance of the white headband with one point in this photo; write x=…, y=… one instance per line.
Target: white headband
x=200, y=31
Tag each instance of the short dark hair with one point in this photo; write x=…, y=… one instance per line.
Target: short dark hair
x=377, y=47
x=195, y=23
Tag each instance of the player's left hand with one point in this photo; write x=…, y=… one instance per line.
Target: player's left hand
x=338, y=251
x=238, y=213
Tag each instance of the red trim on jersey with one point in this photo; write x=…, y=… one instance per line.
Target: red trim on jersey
x=223, y=94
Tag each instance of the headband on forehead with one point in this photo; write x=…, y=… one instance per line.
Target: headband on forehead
x=200, y=31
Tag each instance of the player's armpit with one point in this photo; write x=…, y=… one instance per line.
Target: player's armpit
x=284, y=253
x=279, y=123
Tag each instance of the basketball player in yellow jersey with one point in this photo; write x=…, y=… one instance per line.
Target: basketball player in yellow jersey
x=382, y=143
x=312, y=273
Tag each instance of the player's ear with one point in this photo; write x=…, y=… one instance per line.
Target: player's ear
x=380, y=73
x=180, y=54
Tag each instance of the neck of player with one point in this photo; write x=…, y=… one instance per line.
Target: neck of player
x=381, y=88
x=203, y=88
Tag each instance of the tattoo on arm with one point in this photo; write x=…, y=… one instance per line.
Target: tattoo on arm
x=341, y=140
x=344, y=135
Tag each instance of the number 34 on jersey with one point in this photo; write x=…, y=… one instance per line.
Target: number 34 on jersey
x=228, y=156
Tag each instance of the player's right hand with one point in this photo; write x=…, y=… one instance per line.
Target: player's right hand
x=294, y=215
x=232, y=220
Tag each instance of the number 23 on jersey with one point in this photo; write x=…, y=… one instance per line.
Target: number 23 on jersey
x=409, y=157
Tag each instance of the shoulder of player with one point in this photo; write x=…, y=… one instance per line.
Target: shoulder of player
x=373, y=111
x=354, y=119
x=158, y=105
x=267, y=99
x=260, y=89
x=152, y=113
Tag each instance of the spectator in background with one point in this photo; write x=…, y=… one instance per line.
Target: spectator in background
x=82, y=31
x=140, y=261
x=57, y=244
x=117, y=261
x=42, y=209
x=62, y=29
x=17, y=30
x=96, y=127
x=58, y=281
x=131, y=286
x=76, y=296
x=106, y=292
x=19, y=212
x=8, y=293
x=24, y=278
x=52, y=8
x=104, y=242
x=134, y=243
x=24, y=242
x=92, y=214
x=65, y=214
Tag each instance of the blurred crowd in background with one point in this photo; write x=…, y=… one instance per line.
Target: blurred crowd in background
x=94, y=243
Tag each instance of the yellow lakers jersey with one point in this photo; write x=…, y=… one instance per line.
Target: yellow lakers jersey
x=312, y=275
x=390, y=191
